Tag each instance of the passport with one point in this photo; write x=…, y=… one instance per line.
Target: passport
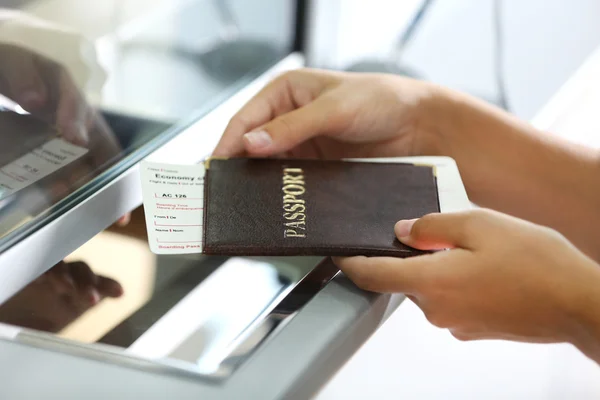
x=299, y=207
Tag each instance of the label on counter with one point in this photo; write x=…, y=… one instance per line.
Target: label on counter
x=37, y=164
x=173, y=197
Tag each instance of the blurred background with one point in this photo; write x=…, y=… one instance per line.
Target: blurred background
x=507, y=51
x=534, y=45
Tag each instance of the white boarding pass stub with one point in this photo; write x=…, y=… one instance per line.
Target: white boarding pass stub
x=173, y=197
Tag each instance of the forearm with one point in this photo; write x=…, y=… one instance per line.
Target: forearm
x=583, y=307
x=509, y=166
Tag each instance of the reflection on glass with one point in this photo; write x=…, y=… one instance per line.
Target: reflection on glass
x=58, y=297
x=111, y=79
x=204, y=314
x=238, y=292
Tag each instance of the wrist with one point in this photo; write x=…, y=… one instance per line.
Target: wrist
x=455, y=124
x=434, y=117
x=452, y=123
x=582, y=307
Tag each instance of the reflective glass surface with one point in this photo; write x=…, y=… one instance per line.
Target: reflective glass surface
x=89, y=87
x=114, y=300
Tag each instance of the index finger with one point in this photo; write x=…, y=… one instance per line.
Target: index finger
x=398, y=275
x=273, y=100
x=109, y=287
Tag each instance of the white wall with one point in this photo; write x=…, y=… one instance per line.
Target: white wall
x=346, y=30
x=545, y=41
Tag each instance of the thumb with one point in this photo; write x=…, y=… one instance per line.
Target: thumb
x=437, y=231
x=288, y=130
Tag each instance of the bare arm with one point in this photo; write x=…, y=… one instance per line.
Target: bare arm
x=510, y=166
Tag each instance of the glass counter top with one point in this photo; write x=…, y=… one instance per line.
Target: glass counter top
x=87, y=89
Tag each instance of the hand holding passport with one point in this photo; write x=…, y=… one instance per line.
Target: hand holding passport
x=290, y=207
x=349, y=208
x=306, y=205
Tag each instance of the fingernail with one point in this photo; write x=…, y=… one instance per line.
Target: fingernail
x=258, y=139
x=94, y=296
x=404, y=227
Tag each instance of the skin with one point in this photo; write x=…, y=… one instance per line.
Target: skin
x=524, y=267
x=45, y=89
x=58, y=297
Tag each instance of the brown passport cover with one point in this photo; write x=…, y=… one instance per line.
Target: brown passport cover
x=332, y=208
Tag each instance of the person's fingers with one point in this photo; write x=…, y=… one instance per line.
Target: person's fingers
x=109, y=287
x=439, y=231
x=471, y=335
x=23, y=81
x=85, y=280
x=289, y=130
x=483, y=334
x=273, y=100
x=72, y=112
x=124, y=220
x=396, y=275
x=463, y=336
x=290, y=91
x=60, y=279
x=413, y=299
